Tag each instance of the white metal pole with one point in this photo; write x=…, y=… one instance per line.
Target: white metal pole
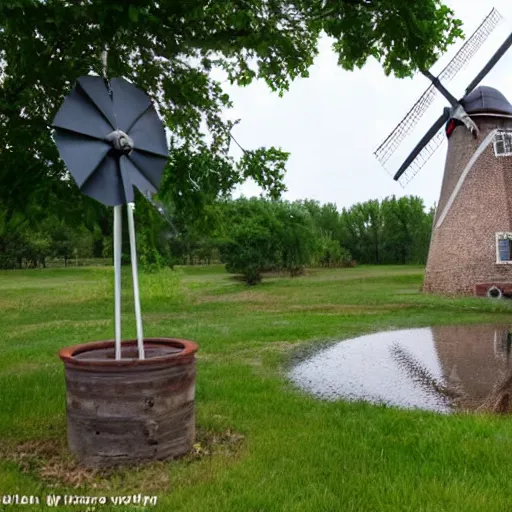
x=118, y=233
x=135, y=276
x=104, y=61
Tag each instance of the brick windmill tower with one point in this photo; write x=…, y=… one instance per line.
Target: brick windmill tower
x=471, y=245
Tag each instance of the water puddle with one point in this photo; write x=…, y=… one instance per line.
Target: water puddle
x=441, y=369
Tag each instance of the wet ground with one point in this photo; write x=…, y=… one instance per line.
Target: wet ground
x=442, y=369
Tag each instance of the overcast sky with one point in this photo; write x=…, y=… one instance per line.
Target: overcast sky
x=333, y=121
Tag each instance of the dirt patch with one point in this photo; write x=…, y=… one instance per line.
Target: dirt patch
x=49, y=461
x=210, y=443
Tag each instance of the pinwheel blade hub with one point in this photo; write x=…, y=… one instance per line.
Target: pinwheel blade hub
x=121, y=142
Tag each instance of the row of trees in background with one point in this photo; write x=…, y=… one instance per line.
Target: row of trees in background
x=39, y=236
x=255, y=235
x=24, y=245
x=251, y=236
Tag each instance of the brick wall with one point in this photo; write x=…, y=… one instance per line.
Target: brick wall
x=463, y=249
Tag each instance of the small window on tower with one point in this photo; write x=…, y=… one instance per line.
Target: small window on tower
x=503, y=143
x=503, y=247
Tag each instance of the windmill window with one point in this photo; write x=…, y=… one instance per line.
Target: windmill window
x=503, y=143
x=504, y=248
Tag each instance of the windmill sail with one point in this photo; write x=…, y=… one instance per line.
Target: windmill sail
x=492, y=62
x=434, y=137
x=424, y=150
x=422, y=158
x=407, y=124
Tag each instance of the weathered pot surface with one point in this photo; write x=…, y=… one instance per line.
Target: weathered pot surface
x=130, y=410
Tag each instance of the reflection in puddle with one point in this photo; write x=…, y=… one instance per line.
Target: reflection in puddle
x=438, y=368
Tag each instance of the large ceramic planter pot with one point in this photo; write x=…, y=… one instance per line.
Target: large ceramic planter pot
x=129, y=410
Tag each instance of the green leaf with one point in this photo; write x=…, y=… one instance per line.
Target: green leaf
x=133, y=13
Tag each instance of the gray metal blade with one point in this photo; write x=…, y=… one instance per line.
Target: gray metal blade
x=81, y=154
x=129, y=102
x=105, y=183
x=78, y=114
x=150, y=166
x=148, y=134
x=126, y=179
x=135, y=176
x=423, y=142
x=492, y=62
x=441, y=88
x=95, y=88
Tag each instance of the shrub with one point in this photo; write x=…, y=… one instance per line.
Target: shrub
x=249, y=251
x=329, y=253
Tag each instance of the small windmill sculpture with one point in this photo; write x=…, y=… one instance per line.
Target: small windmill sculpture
x=472, y=212
x=111, y=139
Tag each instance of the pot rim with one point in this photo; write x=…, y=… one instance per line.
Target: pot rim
x=67, y=354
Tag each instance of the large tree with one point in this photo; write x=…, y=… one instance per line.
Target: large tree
x=169, y=48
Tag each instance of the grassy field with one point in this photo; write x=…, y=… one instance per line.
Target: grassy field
x=262, y=445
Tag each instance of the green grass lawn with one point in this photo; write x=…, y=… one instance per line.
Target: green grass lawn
x=262, y=445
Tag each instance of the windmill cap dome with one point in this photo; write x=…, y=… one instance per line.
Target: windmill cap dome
x=486, y=99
